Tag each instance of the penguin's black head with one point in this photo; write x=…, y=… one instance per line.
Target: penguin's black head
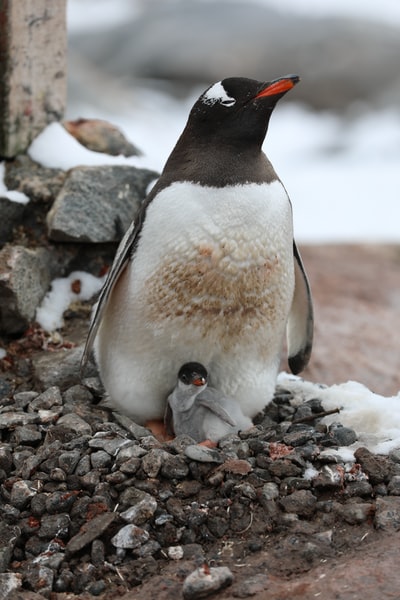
x=193, y=373
x=239, y=108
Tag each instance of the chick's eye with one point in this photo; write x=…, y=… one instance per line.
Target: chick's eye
x=185, y=378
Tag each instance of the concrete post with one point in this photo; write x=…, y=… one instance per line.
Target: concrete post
x=33, y=48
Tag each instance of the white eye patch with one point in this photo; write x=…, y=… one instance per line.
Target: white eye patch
x=217, y=93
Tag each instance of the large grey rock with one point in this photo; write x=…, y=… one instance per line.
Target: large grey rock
x=97, y=204
x=341, y=60
x=25, y=276
x=11, y=214
x=40, y=183
x=60, y=368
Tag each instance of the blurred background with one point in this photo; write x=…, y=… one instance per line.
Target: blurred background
x=334, y=140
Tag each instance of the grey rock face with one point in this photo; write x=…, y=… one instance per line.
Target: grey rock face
x=25, y=276
x=11, y=213
x=97, y=204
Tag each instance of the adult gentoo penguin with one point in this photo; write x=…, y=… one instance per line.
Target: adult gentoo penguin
x=201, y=411
x=208, y=271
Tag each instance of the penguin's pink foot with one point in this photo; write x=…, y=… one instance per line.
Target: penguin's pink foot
x=158, y=429
x=208, y=444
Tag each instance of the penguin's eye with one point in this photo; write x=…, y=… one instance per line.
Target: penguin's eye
x=184, y=378
x=229, y=102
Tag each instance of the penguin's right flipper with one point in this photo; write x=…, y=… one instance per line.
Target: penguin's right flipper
x=300, y=326
x=120, y=261
x=217, y=409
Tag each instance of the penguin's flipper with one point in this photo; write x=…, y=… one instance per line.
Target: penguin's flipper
x=217, y=409
x=300, y=325
x=169, y=419
x=120, y=261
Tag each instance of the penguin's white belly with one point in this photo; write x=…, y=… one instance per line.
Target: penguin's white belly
x=211, y=280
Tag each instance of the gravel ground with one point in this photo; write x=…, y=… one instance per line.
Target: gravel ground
x=94, y=506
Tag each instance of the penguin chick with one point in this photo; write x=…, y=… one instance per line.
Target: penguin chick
x=203, y=412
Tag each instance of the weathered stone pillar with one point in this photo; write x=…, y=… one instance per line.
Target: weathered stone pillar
x=33, y=46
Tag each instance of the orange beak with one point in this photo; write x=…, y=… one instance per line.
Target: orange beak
x=279, y=86
x=199, y=381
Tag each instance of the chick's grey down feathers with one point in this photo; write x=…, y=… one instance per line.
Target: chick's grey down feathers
x=200, y=411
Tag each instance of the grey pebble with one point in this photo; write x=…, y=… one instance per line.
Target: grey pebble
x=22, y=399
x=203, y=454
x=92, y=530
x=97, y=587
x=330, y=476
x=75, y=423
x=387, y=513
x=50, y=559
x=299, y=436
x=129, y=451
x=9, y=583
x=131, y=466
x=58, y=474
x=98, y=553
x=39, y=578
x=29, y=434
x=100, y=459
x=394, y=455
x=67, y=461
x=11, y=419
x=130, y=536
x=174, y=467
x=205, y=581
x=59, y=502
x=342, y=436
x=147, y=549
x=22, y=491
x=9, y=535
x=83, y=467
x=136, y=430
x=143, y=506
x=56, y=525
x=153, y=461
x=111, y=443
x=300, y=502
x=358, y=488
x=49, y=398
x=6, y=458
x=393, y=487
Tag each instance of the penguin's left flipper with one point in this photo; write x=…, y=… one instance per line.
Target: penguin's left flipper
x=300, y=326
x=169, y=419
x=120, y=261
x=217, y=409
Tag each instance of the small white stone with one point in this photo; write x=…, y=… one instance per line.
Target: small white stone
x=175, y=552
